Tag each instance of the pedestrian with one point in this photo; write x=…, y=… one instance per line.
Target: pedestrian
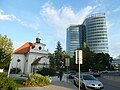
x=60, y=74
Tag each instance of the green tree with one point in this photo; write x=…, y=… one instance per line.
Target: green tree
x=95, y=61
x=64, y=57
x=102, y=60
x=88, y=59
x=52, y=61
x=5, y=51
x=58, y=55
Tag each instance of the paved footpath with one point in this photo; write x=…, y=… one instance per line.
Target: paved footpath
x=65, y=84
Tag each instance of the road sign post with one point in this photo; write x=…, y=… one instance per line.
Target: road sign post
x=67, y=63
x=78, y=60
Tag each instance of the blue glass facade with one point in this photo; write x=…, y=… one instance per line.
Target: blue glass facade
x=74, y=39
x=96, y=33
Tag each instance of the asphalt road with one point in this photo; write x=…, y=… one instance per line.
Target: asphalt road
x=108, y=84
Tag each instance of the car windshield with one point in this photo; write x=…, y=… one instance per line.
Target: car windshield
x=73, y=72
x=88, y=77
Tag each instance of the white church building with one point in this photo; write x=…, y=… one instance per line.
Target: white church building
x=30, y=57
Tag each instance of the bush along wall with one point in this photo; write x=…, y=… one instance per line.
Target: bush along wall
x=47, y=71
x=7, y=84
x=37, y=80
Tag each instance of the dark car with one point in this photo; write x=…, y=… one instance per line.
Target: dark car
x=96, y=73
x=72, y=74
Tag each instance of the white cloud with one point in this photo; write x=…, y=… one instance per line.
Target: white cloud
x=34, y=25
x=109, y=25
x=116, y=10
x=8, y=17
x=115, y=49
x=16, y=44
x=61, y=18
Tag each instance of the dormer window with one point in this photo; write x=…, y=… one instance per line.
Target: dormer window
x=40, y=47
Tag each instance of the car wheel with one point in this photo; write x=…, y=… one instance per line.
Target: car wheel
x=83, y=86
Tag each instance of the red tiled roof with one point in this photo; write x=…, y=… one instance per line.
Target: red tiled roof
x=24, y=48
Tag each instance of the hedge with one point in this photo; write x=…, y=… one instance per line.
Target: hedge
x=7, y=84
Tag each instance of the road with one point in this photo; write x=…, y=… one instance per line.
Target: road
x=108, y=84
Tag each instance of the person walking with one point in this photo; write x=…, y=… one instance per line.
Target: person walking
x=60, y=74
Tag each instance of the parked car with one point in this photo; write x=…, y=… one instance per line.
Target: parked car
x=96, y=73
x=105, y=71
x=72, y=74
x=88, y=81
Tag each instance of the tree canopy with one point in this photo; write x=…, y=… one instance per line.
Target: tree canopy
x=95, y=61
x=57, y=59
x=5, y=51
x=58, y=54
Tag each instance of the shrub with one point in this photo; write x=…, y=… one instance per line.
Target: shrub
x=47, y=71
x=7, y=84
x=37, y=80
x=19, y=81
x=15, y=70
x=3, y=74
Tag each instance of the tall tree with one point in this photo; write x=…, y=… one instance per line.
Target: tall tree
x=88, y=59
x=64, y=57
x=103, y=60
x=5, y=51
x=52, y=61
x=58, y=54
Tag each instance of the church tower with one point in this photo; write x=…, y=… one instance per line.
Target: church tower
x=38, y=38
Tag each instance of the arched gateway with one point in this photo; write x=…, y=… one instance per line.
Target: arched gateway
x=40, y=63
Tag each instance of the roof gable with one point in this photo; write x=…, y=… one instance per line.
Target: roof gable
x=25, y=48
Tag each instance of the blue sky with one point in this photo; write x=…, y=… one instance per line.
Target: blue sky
x=21, y=20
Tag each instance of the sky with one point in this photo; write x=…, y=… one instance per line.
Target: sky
x=21, y=20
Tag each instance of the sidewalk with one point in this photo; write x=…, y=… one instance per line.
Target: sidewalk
x=65, y=84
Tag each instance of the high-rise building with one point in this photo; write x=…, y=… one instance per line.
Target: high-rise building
x=96, y=33
x=93, y=33
x=75, y=38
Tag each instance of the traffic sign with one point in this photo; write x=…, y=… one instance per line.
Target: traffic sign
x=78, y=57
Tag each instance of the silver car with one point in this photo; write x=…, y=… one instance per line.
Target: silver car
x=88, y=82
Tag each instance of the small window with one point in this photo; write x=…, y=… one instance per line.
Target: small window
x=40, y=47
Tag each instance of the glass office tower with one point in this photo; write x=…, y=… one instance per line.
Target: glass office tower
x=96, y=33
x=75, y=38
